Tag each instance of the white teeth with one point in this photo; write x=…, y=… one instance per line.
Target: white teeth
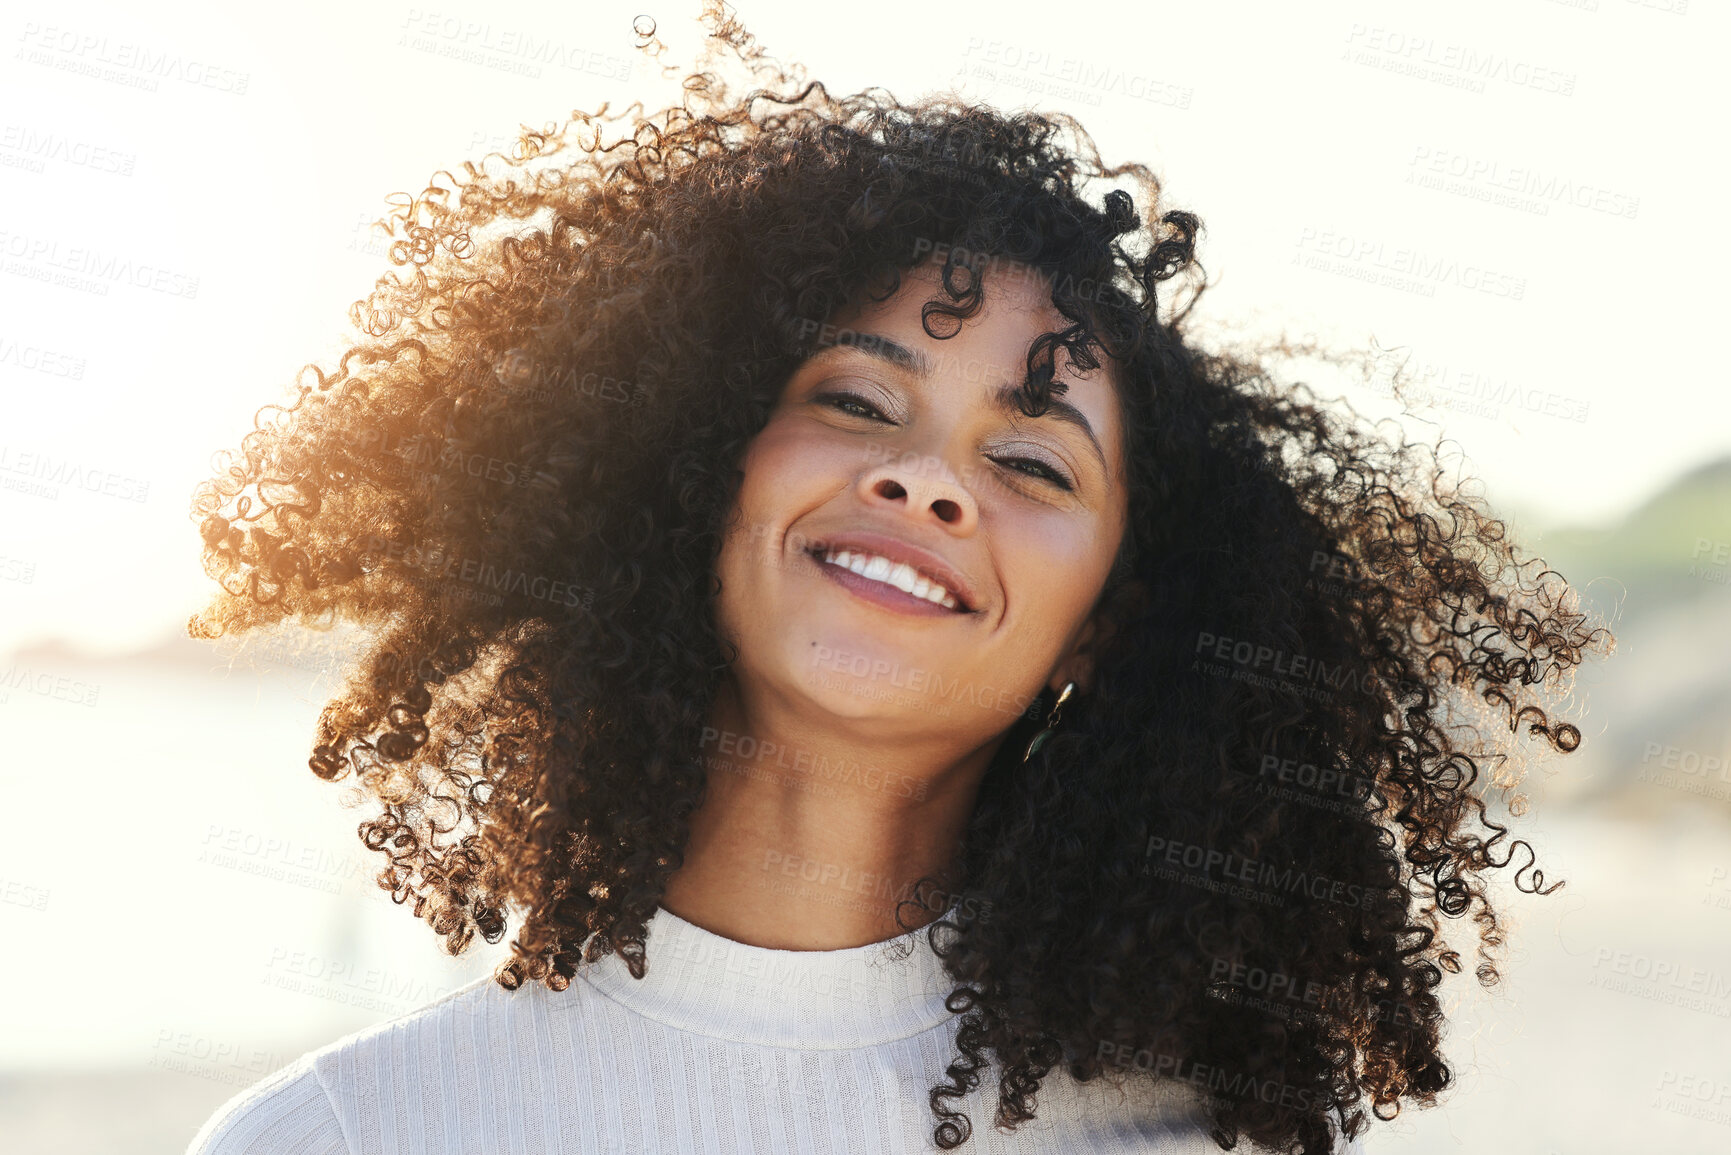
x=899, y=574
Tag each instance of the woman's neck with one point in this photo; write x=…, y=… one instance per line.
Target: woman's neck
x=807, y=840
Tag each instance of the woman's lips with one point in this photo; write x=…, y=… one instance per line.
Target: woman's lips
x=882, y=593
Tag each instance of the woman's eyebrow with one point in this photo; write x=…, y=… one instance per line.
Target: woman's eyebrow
x=1004, y=398
x=879, y=346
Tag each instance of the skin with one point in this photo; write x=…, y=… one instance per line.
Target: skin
x=786, y=851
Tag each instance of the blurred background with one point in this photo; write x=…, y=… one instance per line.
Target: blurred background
x=1514, y=198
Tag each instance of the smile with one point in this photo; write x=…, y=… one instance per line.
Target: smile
x=881, y=572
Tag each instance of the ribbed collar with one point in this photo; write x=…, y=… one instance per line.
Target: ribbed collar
x=701, y=982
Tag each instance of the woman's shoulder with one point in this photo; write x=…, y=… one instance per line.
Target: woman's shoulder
x=286, y=1111
x=298, y=1107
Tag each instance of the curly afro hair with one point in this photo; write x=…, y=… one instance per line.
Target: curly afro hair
x=1233, y=855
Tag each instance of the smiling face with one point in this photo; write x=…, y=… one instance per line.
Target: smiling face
x=908, y=548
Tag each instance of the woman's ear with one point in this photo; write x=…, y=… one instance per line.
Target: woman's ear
x=1101, y=627
x=1078, y=665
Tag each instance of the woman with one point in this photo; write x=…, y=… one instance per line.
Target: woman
x=816, y=591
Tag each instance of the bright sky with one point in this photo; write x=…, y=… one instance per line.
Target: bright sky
x=1516, y=190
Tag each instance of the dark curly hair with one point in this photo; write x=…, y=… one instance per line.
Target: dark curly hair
x=518, y=482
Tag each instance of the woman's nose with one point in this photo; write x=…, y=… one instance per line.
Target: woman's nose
x=925, y=487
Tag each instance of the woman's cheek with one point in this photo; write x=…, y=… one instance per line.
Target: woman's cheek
x=1055, y=568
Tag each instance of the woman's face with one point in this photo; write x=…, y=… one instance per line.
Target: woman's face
x=904, y=450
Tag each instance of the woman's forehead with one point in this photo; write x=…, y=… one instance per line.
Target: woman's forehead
x=1007, y=286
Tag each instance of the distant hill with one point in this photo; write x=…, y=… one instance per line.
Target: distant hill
x=288, y=651
x=1661, y=703
x=1674, y=549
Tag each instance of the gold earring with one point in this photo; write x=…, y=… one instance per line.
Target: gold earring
x=1051, y=720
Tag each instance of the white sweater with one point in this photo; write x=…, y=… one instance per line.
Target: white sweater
x=721, y=1048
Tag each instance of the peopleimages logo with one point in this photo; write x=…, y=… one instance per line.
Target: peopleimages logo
x=46, y=684
x=521, y=51
x=43, y=258
x=48, y=470
x=1434, y=167
x=1264, y=876
x=435, y=561
x=755, y=755
x=1454, y=65
x=1662, y=980
x=922, y=682
x=1076, y=77
x=40, y=360
x=1291, y=669
x=1231, y=1085
x=124, y=62
x=1371, y=259
x=38, y=148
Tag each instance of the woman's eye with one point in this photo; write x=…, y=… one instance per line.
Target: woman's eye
x=1046, y=471
x=856, y=406
x=838, y=401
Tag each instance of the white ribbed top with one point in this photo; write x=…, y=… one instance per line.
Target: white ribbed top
x=722, y=1048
